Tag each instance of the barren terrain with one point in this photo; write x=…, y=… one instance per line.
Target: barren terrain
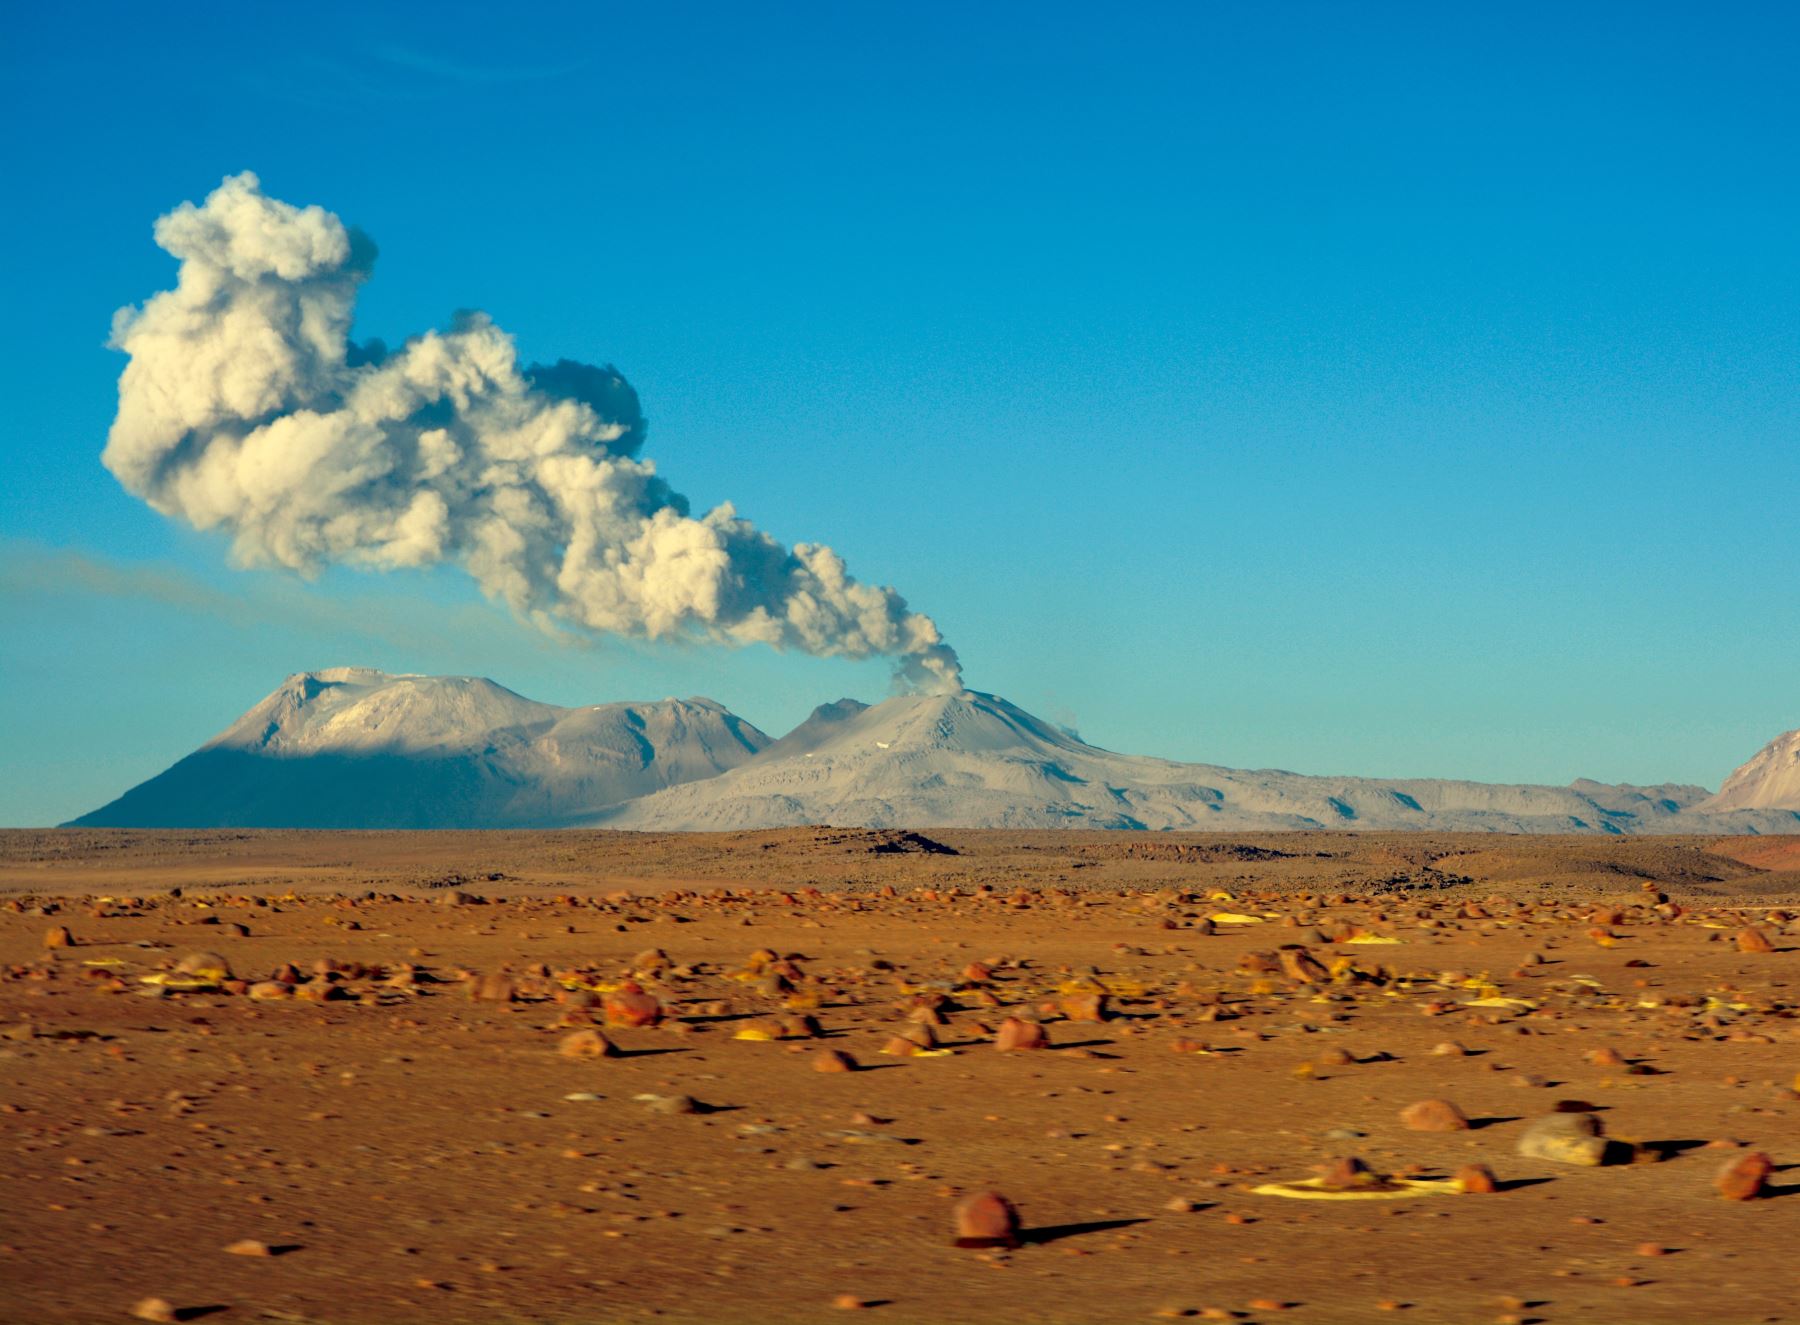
x=380, y=1079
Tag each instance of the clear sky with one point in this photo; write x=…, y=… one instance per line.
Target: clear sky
x=1386, y=389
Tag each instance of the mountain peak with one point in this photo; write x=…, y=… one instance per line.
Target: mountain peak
x=977, y=760
x=354, y=747
x=343, y=709
x=1769, y=781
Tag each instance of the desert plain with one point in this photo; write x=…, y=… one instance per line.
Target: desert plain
x=348, y=1078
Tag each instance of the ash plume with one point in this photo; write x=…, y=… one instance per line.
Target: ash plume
x=246, y=408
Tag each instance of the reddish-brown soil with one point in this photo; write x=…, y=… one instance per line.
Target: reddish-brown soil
x=415, y=1154
x=1765, y=853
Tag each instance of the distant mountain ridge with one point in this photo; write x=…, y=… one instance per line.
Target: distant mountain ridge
x=975, y=760
x=356, y=748
x=350, y=747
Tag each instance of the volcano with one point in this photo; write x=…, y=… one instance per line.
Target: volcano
x=349, y=747
x=355, y=748
x=973, y=760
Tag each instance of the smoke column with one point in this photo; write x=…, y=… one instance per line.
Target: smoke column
x=246, y=408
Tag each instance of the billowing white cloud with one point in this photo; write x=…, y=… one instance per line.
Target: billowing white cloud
x=246, y=408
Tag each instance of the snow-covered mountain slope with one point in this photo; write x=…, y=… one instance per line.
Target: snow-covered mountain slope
x=975, y=760
x=1770, y=781
x=355, y=748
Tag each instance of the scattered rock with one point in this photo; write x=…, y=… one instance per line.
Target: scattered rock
x=588, y=1043
x=986, y=1219
x=1476, y=1179
x=60, y=937
x=1434, y=1116
x=1016, y=1033
x=1346, y=1172
x=629, y=1005
x=204, y=966
x=494, y=987
x=1565, y=1138
x=1300, y=965
x=155, y=1308
x=652, y=962
x=833, y=1060
x=249, y=1247
x=1083, y=1006
x=1745, y=1177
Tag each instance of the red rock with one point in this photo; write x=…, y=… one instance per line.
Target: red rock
x=1083, y=1007
x=654, y=961
x=1753, y=940
x=920, y=1034
x=1745, y=1177
x=1476, y=1178
x=155, y=1308
x=60, y=937
x=1349, y=1171
x=249, y=1247
x=589, y=1043
x=1018, y=1034
x=1434, y=1116
x=629, y=1005
x=494, y=987
x=833, y=1060
x=986, y=1219
x=1300, y=965
x=1606, y=1057
x=205, y=965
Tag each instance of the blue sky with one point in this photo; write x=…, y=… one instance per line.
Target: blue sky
x=1386, y=389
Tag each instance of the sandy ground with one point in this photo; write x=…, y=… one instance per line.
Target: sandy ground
x=409, y=1152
